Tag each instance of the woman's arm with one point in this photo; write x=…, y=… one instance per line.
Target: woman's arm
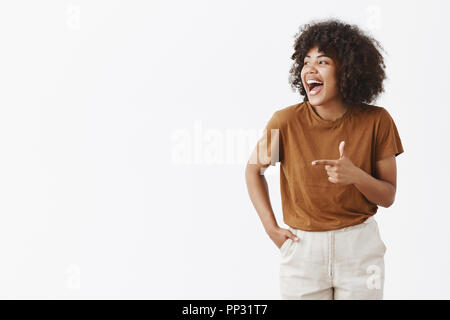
x=381, y=188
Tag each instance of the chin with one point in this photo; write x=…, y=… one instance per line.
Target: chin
x=321, y=99
x=316, y=101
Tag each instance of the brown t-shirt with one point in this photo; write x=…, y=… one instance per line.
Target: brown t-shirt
x=309, y=200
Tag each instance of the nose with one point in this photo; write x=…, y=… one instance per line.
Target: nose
x=310, y=69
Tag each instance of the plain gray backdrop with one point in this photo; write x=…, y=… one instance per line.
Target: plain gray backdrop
x=125, y=128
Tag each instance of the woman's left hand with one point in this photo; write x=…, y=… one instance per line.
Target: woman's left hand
x=341, y=171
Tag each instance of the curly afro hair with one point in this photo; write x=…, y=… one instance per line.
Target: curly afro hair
x=360, y=64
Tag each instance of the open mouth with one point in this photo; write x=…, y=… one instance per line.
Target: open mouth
x=314, y=86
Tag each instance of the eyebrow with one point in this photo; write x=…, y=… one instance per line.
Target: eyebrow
x=322, y=55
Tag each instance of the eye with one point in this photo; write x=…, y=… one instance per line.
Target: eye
x=305, y=62
x=323, y=62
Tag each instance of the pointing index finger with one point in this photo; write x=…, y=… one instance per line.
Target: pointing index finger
x=330, y=162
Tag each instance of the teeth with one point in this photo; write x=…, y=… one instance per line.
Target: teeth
x=313, y=81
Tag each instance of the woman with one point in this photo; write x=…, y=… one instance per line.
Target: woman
x=337, y=165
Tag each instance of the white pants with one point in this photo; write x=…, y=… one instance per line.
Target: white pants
x=346, y=263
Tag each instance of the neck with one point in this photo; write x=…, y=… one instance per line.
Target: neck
x=331, y=110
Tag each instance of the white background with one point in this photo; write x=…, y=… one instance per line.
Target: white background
x=99, y=99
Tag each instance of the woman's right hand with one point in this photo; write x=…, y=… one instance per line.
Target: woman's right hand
x=280, y=235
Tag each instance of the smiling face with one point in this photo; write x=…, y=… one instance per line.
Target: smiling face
x=319, y=77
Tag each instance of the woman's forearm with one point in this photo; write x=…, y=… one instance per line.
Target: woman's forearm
x=376, y=191
x=259, y=194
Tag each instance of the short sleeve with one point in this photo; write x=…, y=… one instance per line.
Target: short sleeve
x=270, y=146
x=388, y=140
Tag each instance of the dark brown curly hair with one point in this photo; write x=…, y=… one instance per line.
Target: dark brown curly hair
x=360, y=64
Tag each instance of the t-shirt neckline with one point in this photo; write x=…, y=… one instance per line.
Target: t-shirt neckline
x=328, y=122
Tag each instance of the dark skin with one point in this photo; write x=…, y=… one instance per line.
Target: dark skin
x=379, y=189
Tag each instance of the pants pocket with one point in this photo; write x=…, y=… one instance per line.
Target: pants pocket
x=380, y=239
x=285, y=244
